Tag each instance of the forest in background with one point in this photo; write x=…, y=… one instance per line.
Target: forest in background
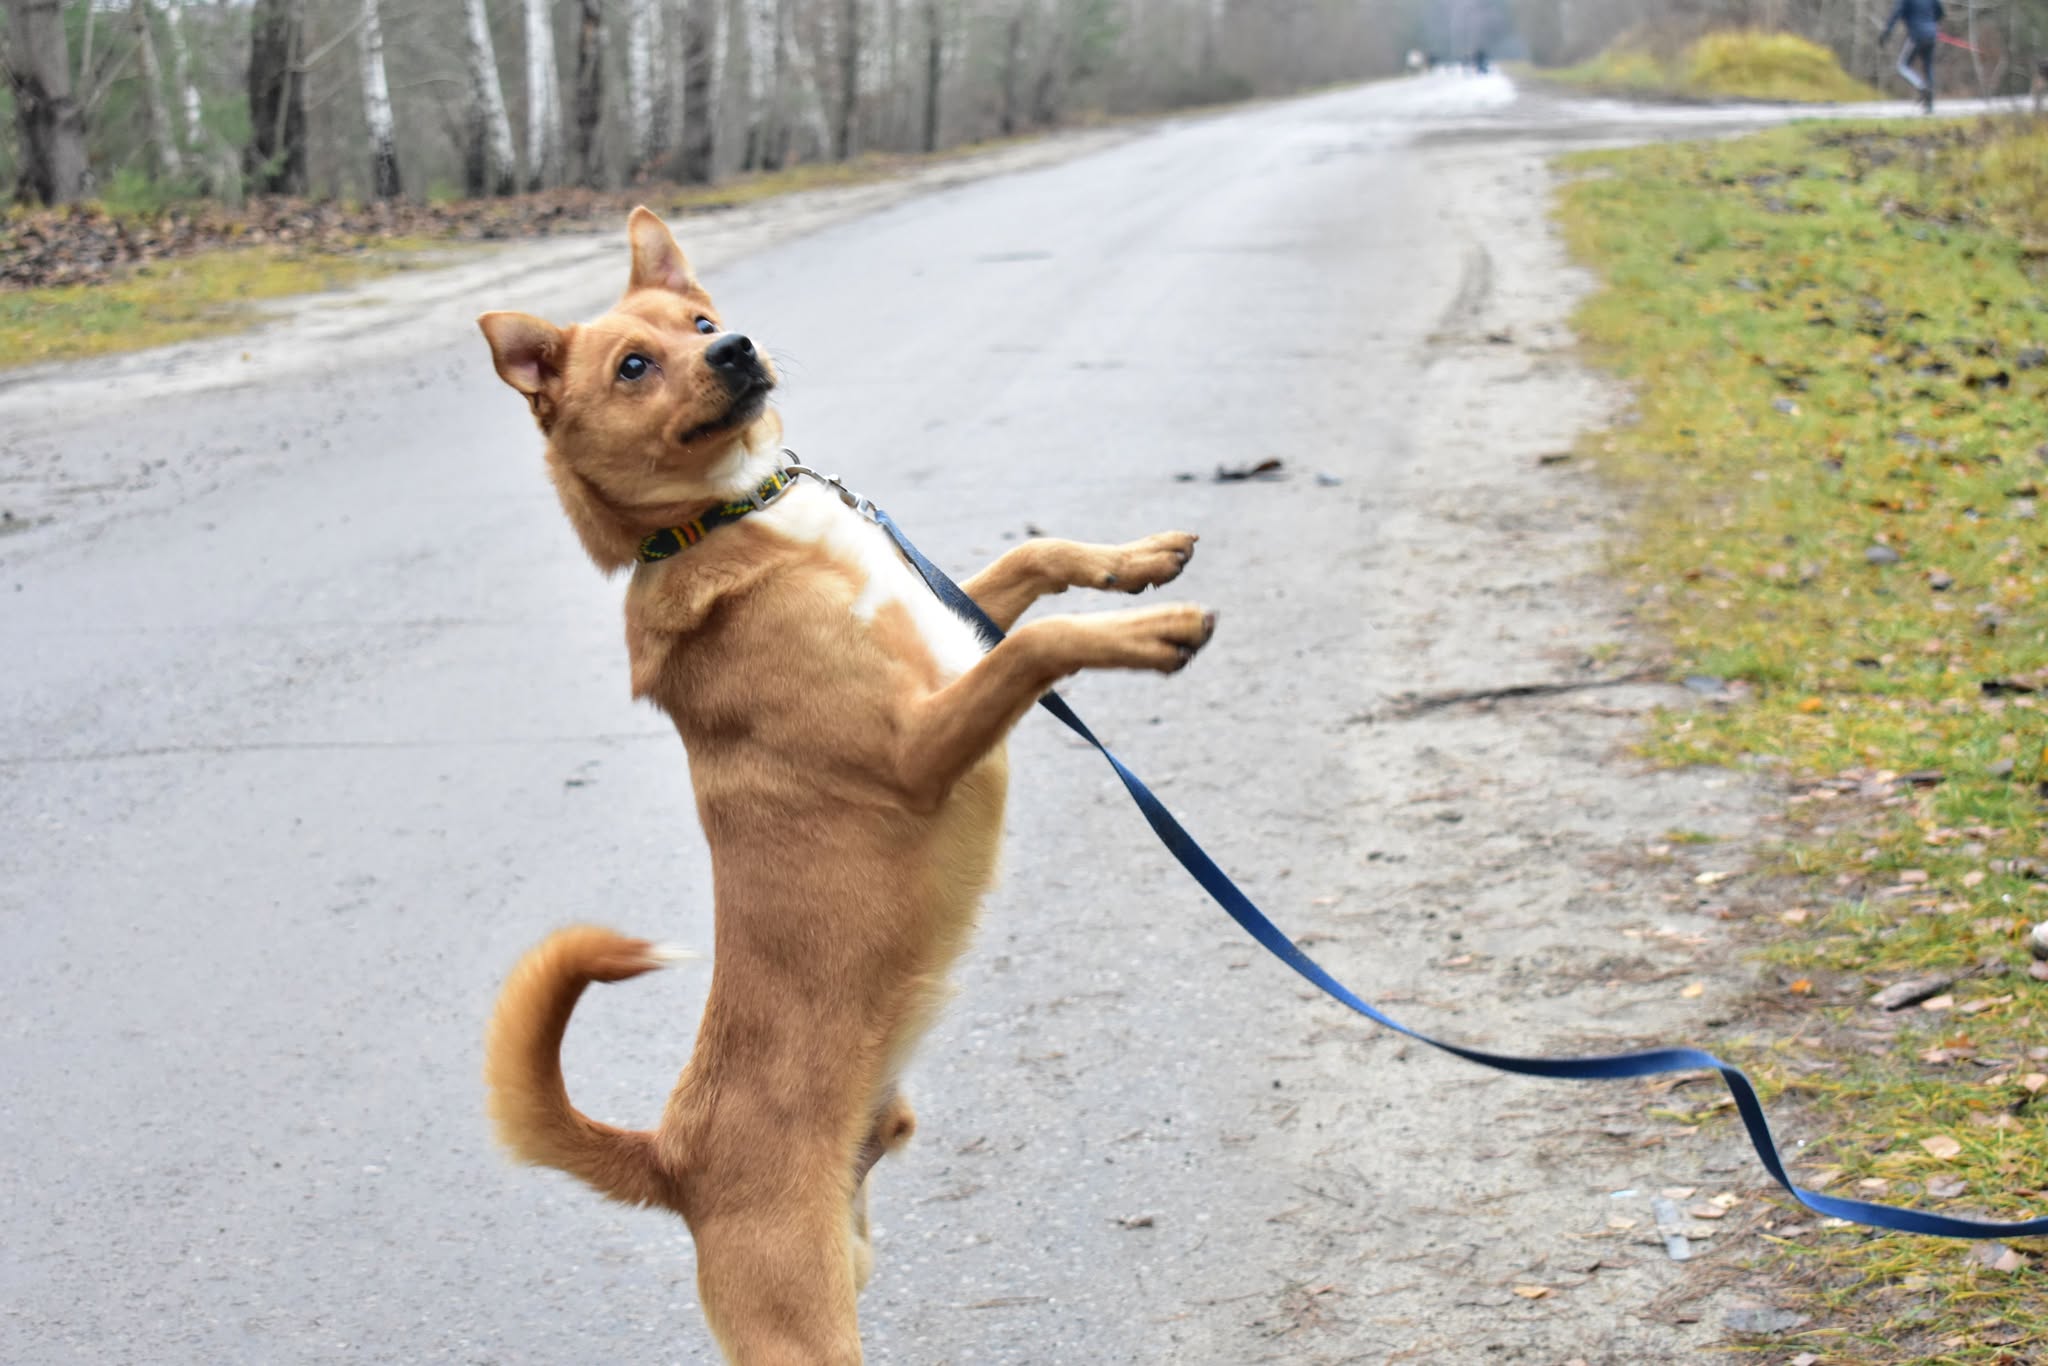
x=141, y=101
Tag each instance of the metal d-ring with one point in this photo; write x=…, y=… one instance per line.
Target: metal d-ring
x=857, y=502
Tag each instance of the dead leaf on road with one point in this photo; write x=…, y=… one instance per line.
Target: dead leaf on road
x=1533, y=1292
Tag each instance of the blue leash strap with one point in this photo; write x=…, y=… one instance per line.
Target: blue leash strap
x=1603, y=1068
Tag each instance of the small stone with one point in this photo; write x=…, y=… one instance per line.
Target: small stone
x=1881, y=554
x=1941, y=581
x=2031, y=358
x=1763, y=1321
x=2037, y=942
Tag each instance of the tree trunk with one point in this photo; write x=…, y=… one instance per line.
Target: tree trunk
x=276, y=157
x=1013, y=61
x=849, y=78
x=805, y=76
x=156, y=113
x=934, y=71
x=700, y=61
x=181, y=73
x=640, y=85
x=543, y=100
x=384, y=182
x=53, y=162
x=589, y=93
x=490, y=164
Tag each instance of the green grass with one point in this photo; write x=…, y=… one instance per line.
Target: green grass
x=1830, y=333
x=176, y=300
x=1732, y=64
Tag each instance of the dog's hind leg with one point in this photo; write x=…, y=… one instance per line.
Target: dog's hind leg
x=1035, y=569
x=894, y=1124
x=778, y=1283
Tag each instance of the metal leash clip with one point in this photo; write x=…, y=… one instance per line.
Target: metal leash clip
x=857, y=502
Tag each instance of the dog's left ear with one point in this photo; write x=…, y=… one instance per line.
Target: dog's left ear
x=658, y=263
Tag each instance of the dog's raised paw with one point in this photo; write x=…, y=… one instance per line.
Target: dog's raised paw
x=1150, y=562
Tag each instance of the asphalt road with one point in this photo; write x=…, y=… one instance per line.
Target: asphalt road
x=299, y=755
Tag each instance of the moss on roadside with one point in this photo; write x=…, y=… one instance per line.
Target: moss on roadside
x=1838, y=342
x=177, y=300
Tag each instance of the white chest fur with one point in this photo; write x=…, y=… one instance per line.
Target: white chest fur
x=813, y=514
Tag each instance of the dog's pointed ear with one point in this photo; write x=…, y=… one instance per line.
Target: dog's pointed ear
x=658, y=263
x=528, y=351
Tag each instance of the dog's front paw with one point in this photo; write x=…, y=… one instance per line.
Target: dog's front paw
x=1159, y=638
x=1150, y=562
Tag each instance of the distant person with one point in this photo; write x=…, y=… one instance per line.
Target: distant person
x=1479, y=61
x=1416, y=61
x=1922, y=19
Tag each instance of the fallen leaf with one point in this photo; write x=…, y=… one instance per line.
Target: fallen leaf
x=1942, y=1146
x=1947, y=1187
x=1694, y=990
x=1802, y=987
x=1939, y=1003
x=1985, y=1003
x=1707, y=1210
x=1533, y=1292
x=1679, y=1192
x=1996, y=1257
x=1810, y=705
x=1974, y=877
x=2034, y=1081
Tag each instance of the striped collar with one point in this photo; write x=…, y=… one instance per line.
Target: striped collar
x=675, y=539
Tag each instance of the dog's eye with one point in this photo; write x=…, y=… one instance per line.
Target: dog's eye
x=633, y=366
x=706, y=326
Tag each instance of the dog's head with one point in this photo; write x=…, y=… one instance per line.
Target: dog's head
x=653, y=412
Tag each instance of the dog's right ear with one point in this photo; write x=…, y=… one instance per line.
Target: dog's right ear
x=528, y=351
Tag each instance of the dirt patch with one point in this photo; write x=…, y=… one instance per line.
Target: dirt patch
x=1581, y=901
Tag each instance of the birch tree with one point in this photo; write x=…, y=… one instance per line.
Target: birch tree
x=51, y=121
x=640, y=47
x=543, y=100
x=490, y=166
x=163, y=141
x=181, y=74
x=384, y=182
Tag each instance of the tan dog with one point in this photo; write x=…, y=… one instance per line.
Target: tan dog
x=845, y=735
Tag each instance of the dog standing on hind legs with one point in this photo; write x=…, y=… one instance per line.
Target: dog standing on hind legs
x=845, y=734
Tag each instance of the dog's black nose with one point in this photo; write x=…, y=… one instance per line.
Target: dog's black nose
x=733, y=353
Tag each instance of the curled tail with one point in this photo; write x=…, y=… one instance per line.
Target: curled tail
x=529, y=1103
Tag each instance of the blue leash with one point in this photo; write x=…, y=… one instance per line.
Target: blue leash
x=1610, y=1067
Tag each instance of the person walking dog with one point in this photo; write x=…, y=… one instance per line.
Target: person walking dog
x=1922, y=19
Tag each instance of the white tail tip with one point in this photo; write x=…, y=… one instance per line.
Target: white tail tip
x=668, y=955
